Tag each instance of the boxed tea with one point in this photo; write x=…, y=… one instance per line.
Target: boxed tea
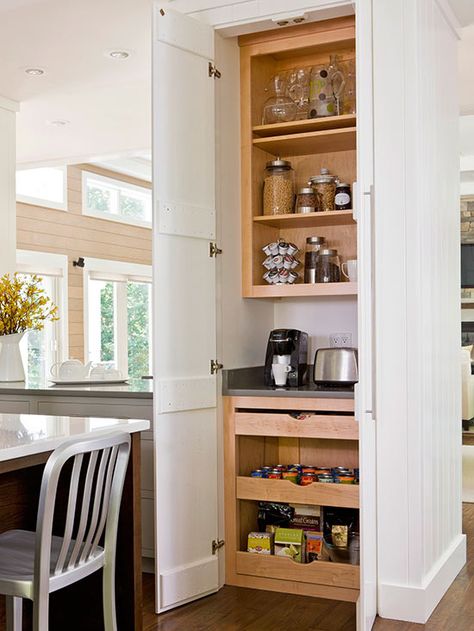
x=260, y=543
x=314, y=545
x=289, y=542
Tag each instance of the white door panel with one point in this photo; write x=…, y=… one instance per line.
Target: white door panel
x=184, y=309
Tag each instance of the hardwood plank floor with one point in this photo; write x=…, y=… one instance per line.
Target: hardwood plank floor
x=237, y=609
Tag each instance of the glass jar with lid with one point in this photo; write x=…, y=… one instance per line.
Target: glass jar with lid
x=325, y=186
x=306, y=200
x=278, y=188
x=313, y=246
x=328, y=266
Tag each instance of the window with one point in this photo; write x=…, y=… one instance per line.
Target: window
x=44, y=186
x=42, y=349
x=118, y=315
x=115, y=200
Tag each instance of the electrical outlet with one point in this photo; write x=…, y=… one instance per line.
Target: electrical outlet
x=340, y=340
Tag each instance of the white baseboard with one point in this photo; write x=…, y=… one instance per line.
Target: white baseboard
x=416, y=603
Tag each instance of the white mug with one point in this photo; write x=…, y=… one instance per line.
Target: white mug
x=280, y=373
x=350, y=270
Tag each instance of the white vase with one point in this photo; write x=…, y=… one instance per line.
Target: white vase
x=11, y=362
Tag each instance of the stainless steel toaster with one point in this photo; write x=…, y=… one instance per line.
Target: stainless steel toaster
x=336, y=366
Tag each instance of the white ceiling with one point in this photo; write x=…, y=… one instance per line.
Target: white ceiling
x=107, y=102
x=464, y=11
x=139, y=165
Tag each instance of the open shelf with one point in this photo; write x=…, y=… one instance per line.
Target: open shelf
x=303, y=289
x=309, y=143
x=318, y=493
x=306, y=125
x=312, y=426
x=307, y=220
x=317, y=572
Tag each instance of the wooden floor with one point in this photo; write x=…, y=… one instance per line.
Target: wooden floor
x=236, y=609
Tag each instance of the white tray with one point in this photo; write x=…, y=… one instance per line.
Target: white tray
x=87, y=382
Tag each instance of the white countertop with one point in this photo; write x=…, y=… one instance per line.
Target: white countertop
x=28, y=434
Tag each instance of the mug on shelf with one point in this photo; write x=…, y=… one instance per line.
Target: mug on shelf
x=349, y=270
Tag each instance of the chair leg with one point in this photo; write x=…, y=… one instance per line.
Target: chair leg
x=14, y=613
x=108, y=595
x=41, y=613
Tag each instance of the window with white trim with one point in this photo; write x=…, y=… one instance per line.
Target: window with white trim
x=43, y=186
x=115, y=200
x=42, y=349
x=118, y=315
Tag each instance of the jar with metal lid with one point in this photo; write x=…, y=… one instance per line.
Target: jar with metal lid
x=278, y=188
x=313, y=246
x=343, y=199
x=325, y=186
x=328, y=267
x=306, y=200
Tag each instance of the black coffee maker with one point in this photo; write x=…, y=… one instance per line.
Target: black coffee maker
x=287, y=346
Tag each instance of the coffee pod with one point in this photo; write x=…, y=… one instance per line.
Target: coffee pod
x=292, y=277
x=273, y=277
x=266, y=277
x=283, y=275
x=278, y=261
x=292, y=249
x=266, y=249
x=295, y=263
x=288, y=261
x=268, y=262
x=283, y=247
x=274, y=248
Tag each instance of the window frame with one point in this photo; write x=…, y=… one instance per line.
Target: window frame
x=45, y=203
x=55, y=266
x=117, y=184
x=119, y=272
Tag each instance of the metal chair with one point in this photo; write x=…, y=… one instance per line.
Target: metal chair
x=35, y=564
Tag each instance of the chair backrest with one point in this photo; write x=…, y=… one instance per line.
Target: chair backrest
x=99, y=465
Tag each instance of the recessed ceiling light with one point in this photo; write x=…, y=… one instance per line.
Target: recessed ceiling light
x=61, y=122
x=118, y=54
x=34, y=72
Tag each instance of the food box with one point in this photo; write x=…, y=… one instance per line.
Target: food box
x=306, y=522
x=314, y=545
x=260, y=543
x=289, y=542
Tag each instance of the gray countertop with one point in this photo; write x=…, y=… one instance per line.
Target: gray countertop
x=134, y=389
x=248, y=382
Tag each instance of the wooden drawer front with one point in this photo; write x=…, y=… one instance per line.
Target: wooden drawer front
x=318, y=572
x=147, y=482
x=318, y=493
x=313, y=426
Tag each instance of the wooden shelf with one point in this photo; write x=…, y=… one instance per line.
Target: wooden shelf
x=312, y=426
x=317, y=572
x=309, y=124
x=301, y=289
x=307, y=220
x=306, y=143
x=318, y=493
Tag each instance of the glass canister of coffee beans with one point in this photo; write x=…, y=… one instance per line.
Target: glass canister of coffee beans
x=306, y=200
x=278, y=188
x=328, y=266
x=313, y=246
x=343, y=198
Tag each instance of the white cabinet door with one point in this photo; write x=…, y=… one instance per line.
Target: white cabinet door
x=184, y=308
x=365, y=389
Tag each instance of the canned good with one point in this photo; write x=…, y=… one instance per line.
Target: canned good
x=336, y=470
x=308, y=478
x=328, y=479
x=275, y=474
x=309, y=469
x=281, y=467
x=257, y=473
x=292, y=476
x=299, y=467
x=322, y=471
x=344, y=478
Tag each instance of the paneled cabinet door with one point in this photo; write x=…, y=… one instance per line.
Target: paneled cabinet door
x=184, y=308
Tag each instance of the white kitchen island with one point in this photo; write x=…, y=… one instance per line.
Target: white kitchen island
x=26, y=442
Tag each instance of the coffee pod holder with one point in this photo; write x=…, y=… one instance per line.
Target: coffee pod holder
x=280, y=263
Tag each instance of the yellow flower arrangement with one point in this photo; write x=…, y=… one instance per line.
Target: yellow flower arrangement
x=24, y=304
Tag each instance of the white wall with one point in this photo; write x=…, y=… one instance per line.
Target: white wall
x=420, y=545
x=8, y=111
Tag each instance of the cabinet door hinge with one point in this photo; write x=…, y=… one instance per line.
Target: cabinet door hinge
x=214, y=250
x=215, y=366
x=217, y=544
x=213, y=72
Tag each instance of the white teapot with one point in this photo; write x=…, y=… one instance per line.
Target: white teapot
x=71, y=370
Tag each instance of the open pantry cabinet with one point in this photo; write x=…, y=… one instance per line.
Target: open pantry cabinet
x=192, y=286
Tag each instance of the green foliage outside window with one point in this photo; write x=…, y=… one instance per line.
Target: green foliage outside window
x=107, y=333
x=138, y=329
